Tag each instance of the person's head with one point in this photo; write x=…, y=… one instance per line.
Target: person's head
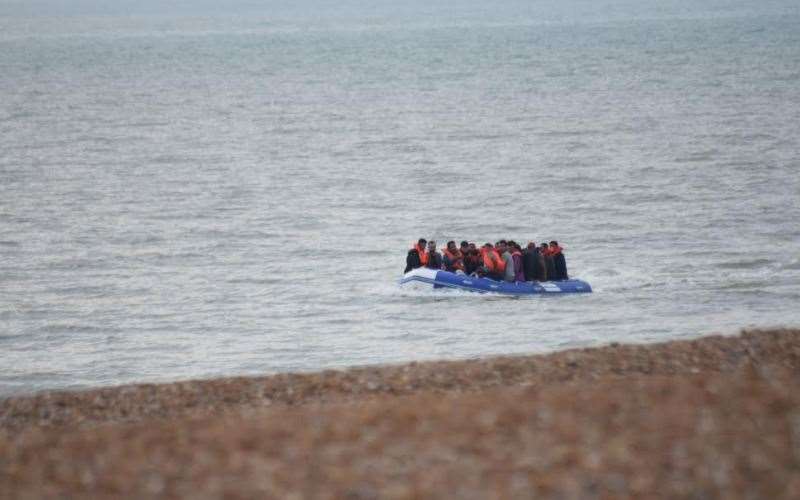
x=554, y=243
x=531, y=245
x=422, y=242
x=513, y=245
x=431, y=246
x=488, y=246
x=501, y=246
x=543, y=245
x=451, y=245
x=464, y=245
x=472, y=246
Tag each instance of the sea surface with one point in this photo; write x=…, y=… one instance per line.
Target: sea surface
x=191, y=190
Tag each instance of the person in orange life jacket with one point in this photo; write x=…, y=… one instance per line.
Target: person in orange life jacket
x=548, y=262
x=472, y=259
x=452, y=258
x=516, y=255
x=416, y=256
x=433, y=258
x=493, y=266
x=559, y=262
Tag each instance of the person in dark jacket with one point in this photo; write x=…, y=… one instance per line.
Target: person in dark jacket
x=414, y=258
x=559, y=262
x=550, y=266
x=533, y=264
x=472, y=259
x=434, y=257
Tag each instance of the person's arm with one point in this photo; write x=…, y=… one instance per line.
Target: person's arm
x=446, y=262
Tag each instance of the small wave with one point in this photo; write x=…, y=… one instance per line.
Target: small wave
x=256, y=281
x=742, y=286
x=80, y=290
x=573, y=133
x=697, y=157
x=75, y=328
x=16, y=116
x=744, y=264
x=790, y=266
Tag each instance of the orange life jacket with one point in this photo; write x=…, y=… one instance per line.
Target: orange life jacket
x=492, y=261
x=455, y=257
x=423, y=255
x=501, y=264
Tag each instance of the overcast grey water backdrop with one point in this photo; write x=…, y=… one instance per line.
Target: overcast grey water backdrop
x=187, y=191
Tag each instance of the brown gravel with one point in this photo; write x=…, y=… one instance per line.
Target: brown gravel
x=717, y=417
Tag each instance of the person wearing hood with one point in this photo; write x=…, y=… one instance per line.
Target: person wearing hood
x=533, y=264
x=559, y=262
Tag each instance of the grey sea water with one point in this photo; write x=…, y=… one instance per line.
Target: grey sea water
x=190, y=191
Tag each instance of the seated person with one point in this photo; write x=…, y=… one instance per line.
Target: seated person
x=452, y=258
x=472, y=259
x=493, y=265
x=464, y=249
x=433, y=258
x=416, y=256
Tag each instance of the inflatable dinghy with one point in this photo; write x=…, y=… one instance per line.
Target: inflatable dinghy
x=446, y=279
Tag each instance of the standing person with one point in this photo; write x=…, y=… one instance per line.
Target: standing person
x=533, y=264
x=550, y=267
x=433, y=258
x=416, y=256
x=508, y=261
x=559, y=262
x=516, y=255
x=453, y=259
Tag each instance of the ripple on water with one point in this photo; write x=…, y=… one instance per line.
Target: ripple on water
x=259, y=220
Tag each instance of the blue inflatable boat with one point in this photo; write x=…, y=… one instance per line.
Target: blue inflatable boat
x=445, y=279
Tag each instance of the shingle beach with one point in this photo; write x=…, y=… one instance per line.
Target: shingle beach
x=716, y=417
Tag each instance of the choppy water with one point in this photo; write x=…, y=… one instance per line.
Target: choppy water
x=192, y=194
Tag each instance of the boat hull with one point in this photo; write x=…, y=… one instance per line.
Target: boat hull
x=446, y=279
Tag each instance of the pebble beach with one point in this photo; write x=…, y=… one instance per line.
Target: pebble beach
x=716, y=417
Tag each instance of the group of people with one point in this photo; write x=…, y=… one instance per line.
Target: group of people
x=503, y=261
